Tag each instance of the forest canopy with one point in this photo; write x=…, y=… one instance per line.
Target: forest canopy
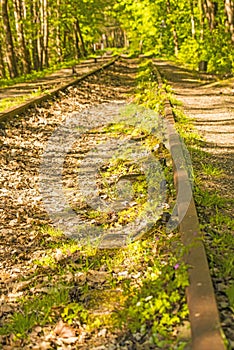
x=36, y=34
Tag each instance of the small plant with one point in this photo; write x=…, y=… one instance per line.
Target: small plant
x=36, y=311
x=150, y=305
x=211, y=171
x=205, y=199
x=74, y=311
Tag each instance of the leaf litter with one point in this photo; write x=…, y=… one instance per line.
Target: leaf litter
x=44, y=275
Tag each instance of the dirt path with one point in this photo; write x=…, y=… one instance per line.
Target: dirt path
x=51, y=81
x=211, y=106
x=210, y=103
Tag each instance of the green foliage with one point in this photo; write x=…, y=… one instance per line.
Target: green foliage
x=161, y=28
x=74, y=311
x=10, y=102
x=37, y=75
x=230, y=293
x=211, y=171
x=189, y=53
x=148, y=94
x=143, y=290
x=206, y=199
x=152, y=305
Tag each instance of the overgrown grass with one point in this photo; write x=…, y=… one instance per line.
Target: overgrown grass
x=139, y=289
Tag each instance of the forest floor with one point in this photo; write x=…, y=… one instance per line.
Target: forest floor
x=209, y=103
x=37, y=264
x=56, y=294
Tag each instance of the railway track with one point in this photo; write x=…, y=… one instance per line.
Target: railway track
x=21, y=160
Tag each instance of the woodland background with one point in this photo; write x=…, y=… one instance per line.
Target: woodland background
x=37, y=34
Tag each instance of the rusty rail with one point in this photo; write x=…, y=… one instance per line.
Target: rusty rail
x=203, y=311
x=15, y=111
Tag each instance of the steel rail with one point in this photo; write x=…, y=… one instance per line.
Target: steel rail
x=15, y=111
x=203, y=311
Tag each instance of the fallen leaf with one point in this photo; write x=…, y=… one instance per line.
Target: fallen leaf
x=64, y=331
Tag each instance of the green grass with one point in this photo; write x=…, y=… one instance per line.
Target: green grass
x=37, y=74
x=211, y=171
x=37, y=310
x=230, y=293
x=143, y=290
x=9, y=102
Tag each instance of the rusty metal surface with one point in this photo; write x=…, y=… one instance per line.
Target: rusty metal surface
x=203, y=311
x=15, y=111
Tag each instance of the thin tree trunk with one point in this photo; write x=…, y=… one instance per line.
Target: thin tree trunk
x=193, y=28
x=34, y=35
x=201, y=10
x=210, y=8
x=77, y=23
x=58, y=32
x=77, y=44
x=174, y=31
x=175, y=40
x=2, y=63
x=24, y=53
x=10, y=51
x=44, y=34
x=229, y=9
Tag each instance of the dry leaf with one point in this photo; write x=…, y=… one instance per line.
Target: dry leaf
x=64, y=331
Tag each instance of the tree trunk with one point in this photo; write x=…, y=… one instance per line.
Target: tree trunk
x=77, y=24
x=201, y=10
x=193, y=29
x=24, y=53
x=2, y=63
x=77, y=43
x=229, y=9
x=58, y=32
x=44, y=34
x=210, y=9
x=174, y=31
x=34, y=34
x=10, y=51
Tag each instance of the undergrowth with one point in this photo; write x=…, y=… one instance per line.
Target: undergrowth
x=140, y=289
x=37, y=74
